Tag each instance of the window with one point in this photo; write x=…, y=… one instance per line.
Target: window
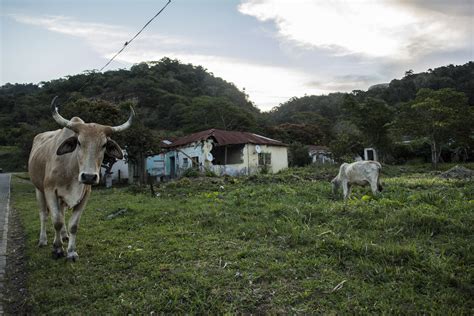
x=264, y=159
x=228, y=155
x=185, y=162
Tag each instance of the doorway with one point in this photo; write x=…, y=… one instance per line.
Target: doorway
x=172, y=167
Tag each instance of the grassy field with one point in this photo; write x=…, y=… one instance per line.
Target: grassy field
x=264, y=244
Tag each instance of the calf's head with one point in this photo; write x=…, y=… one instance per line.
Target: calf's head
x=90, y=142
x=335, y=185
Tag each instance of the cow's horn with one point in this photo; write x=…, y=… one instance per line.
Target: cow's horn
x=57, y=117
x=125, y=125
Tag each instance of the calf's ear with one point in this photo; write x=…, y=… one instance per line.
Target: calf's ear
x=67, y=146
x=113, y=149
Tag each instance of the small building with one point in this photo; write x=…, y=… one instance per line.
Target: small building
x=118, y=173
x=320, y=154
x=370, y=154
x=222, y=152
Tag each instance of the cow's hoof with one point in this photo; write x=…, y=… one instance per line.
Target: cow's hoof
x=58, y=253
x=65, y=238
x=42, y=243
x=72, y=256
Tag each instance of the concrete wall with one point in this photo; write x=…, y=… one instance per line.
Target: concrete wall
x=279, y=157
x=155, y=165
x=120, y=167
x=279, y=161
x=195, y=150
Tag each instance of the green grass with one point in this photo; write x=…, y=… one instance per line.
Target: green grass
x=264, y=244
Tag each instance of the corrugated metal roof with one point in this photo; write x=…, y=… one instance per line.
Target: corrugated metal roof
x=317, y=148
x=225, y=138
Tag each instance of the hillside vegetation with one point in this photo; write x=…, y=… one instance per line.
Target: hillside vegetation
x=172, y=99
x=263, y=244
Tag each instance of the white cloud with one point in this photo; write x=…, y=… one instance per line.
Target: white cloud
x=104, y=38
x=374, y=28
x=267, y=86
x=96, y=34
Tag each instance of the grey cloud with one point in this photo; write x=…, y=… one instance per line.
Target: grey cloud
x=345, y=83
x=449, y=7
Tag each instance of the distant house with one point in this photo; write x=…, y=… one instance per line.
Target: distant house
x=119, y=172
x=222, y=152
x=320, y=154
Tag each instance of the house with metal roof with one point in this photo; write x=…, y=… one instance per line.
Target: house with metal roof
x=222, y=152
x=320, y=154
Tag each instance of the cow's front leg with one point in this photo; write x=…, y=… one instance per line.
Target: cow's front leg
x=74, y=225
x=57, y=217
x=64, y=234
x=43, y=213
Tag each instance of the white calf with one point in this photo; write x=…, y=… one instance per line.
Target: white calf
x=357, y=173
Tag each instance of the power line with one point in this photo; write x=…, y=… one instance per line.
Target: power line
x=123, y=47
x=129, y=41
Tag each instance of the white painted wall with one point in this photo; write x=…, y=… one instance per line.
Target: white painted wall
x=120, y=165
x=195, y=150
x=279, y=161
x=279, y=158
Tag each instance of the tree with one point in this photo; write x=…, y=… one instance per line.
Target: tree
x=216, y=112
x=297, y=133
x=347, y=141
x=372, y=117
x=139, y=142
x=299, y=155
x=439, y=117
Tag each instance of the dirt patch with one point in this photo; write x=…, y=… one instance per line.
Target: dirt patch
x=16, y=294
x=458, y=172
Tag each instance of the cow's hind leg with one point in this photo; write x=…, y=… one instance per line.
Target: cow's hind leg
x=374, y=186
x=74, y=225
x=43, y=213
x=57, y=217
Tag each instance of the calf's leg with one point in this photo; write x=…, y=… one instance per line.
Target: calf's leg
x=374, y=185
x=346, y=189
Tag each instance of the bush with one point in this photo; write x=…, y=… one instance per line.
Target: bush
x=191, y=173
x=299, y=155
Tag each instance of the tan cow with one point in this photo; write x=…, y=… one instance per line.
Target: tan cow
x=63, y=165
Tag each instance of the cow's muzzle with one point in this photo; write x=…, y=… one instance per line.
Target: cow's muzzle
x=89, y=178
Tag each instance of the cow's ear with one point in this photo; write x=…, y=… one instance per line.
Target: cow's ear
x=67, y=146
x=113, y=149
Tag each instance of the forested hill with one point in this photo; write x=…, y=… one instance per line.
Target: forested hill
x=459, y=78
x=347, y=122
x=168, y=95
x=172, y=98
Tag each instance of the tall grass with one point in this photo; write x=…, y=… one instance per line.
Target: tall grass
x=265, y=244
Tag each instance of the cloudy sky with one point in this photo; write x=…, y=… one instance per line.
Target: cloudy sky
x=274, y=49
